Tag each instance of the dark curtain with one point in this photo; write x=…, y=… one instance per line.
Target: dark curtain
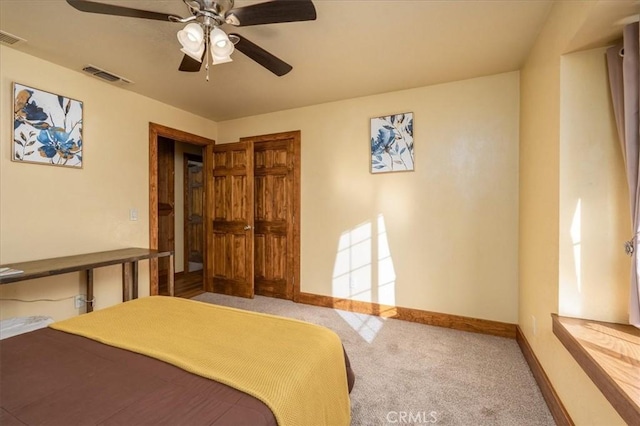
x=624, y=76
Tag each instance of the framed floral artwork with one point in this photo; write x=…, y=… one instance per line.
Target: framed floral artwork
x=392, y=143
x=47, y=128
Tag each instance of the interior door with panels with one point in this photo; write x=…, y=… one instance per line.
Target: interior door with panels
x=273, y=216
x=233, y=223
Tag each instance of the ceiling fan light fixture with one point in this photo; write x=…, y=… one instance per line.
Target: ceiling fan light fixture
x=195, y=54
x=191, y=37
x=221, y=46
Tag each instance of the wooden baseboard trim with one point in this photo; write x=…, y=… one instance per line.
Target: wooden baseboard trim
x=559, y=413
x=456, y=322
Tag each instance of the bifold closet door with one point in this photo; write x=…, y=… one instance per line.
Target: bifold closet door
x=257, y=202
x=273, y=218
x=233, y=202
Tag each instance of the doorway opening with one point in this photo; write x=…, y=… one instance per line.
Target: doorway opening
x=189, y=275
x=179, y=193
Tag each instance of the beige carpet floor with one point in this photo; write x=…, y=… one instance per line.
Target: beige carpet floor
x=414, y=374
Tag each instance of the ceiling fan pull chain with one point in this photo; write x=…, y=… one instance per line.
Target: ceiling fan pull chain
x=206, y=51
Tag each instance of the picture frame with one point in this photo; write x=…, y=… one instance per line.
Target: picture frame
x=392, y=143
x=47, y=128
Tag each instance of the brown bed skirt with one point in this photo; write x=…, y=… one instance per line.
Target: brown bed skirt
x=54, y=378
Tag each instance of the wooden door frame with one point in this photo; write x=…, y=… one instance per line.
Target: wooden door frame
x=296, y=204
x=156, y=130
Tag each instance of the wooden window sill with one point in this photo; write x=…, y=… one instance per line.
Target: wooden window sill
x=610, y=355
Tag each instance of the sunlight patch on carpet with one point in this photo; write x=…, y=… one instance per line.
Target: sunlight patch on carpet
x=367, y=326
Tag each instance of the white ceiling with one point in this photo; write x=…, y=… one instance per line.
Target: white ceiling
x=354, y=48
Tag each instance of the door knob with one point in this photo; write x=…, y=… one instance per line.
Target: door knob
x=247, y=227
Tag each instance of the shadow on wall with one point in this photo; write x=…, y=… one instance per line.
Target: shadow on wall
x=363, y=271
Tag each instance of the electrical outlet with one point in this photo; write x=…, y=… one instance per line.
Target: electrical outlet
x=534, y=325
x=79, y=301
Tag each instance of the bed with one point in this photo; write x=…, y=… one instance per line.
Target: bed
x=83, y=371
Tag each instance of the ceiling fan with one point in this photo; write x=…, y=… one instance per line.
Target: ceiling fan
x=202, y=32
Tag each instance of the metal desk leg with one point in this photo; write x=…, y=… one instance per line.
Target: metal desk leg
x=89, y=290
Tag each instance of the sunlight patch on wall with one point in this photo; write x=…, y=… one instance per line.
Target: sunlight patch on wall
x=571, y=287
x=364, y=271
x=386, y=271
x=352, y=268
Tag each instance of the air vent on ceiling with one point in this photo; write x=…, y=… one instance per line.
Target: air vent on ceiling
x=105, y=75
x=10, y=39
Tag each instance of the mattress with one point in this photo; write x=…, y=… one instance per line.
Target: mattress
x=18, y=325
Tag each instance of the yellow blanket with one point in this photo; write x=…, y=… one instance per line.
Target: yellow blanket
x=297, y=369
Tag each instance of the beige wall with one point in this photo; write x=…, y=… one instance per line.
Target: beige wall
x=540, y=210
x=442, y=238
x=594, y=202
x=52, y=211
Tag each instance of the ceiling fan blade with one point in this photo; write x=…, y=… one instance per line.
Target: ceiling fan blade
x=110, y=9
x=273, y=12
x=189, y=64
x=261, y=56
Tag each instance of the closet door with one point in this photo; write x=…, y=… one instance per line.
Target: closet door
x=233, y=219
x=274, y=217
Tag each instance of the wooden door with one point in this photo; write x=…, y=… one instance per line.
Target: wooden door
x=233, y=219
x=166, y=210
x=272, y=211
x=193, y=213
x=277, y=214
